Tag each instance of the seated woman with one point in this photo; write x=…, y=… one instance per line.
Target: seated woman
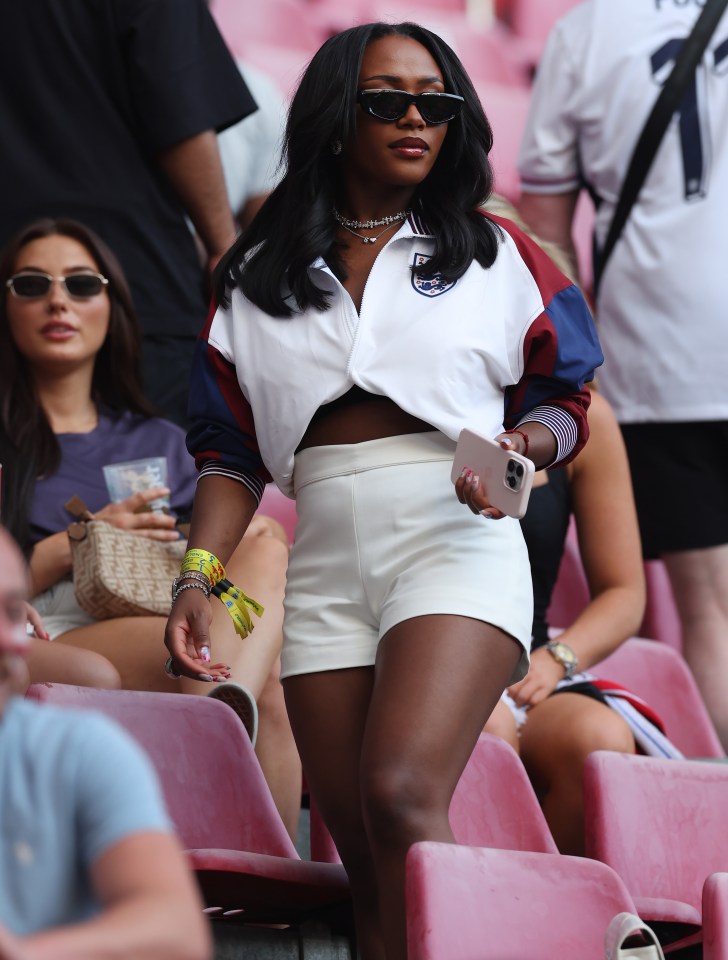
x=70, y=403
x=555, y=733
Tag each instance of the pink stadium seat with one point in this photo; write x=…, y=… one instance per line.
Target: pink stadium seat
x=465, y=903
x=277, y=505
x=493, y=806
x=571, y=594
x=660, y=676
x=281, y=23
x=284, y=65
x=715, y=917
x=661, y=825
x=220, y=803
x=487, y=54
x=533, y=19
x=662, y=620
x=507, y=108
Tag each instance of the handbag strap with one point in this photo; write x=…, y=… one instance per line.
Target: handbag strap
x=654, y=129
x=620, y=930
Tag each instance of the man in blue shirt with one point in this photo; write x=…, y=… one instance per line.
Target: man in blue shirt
x=89, y=866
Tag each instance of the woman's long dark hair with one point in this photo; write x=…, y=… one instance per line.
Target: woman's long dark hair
x=295, y=225
x=28, y=447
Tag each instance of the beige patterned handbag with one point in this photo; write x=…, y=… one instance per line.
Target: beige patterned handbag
x=120, y=574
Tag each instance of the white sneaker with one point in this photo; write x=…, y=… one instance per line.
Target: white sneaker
x=242, y=702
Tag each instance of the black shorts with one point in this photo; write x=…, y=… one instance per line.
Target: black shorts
x=680, y=479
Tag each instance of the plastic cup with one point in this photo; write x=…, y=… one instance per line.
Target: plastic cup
x=125, y=479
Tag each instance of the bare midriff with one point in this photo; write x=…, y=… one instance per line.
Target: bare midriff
x=369, y=418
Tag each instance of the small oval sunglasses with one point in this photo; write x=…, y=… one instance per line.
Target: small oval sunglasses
x=78, y=286
x=392, y=105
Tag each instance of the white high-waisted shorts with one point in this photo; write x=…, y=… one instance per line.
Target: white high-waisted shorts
x=60, y=610
x=381, y=538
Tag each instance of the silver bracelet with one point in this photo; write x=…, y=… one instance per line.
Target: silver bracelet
x=191, y=575
x=190, y=586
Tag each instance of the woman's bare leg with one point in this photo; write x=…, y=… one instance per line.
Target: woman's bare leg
x=417, y=719
x=259, y=567
x=559, y=734
x=328, y=713
x=438, y=679
x=135, y=647
x=277, y=752
x=59, y=663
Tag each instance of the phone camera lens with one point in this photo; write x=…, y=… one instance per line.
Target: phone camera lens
x=519, y=470
x=512, y=482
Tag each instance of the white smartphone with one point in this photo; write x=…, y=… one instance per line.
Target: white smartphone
x=506, y=476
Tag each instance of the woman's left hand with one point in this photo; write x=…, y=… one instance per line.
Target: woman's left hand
x=470, y=491
x=539, y=682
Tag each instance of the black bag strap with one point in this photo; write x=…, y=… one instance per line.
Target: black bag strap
x=654, y=129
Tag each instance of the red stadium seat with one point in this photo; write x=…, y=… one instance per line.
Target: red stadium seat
x=659, y=675
x=493, y=806
x=465, y=903
x=661, y=825
x=277, y=505
x=220, y=803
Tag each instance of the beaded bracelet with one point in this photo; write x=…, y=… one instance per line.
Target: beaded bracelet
x=525, y=439
x=190, y=586
x=191, y=575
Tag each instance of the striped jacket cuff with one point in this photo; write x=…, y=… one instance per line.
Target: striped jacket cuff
x=215, y=469
x=560, y=423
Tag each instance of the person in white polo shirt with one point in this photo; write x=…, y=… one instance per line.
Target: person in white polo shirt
x=662, y=301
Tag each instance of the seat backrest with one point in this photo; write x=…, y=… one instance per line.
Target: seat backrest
x=213, y=785
x=661, y=824
x=506, y=107
x=465, y=902
x=276, y=504
x=659, y=675
x=494, y=804
x=283, y=23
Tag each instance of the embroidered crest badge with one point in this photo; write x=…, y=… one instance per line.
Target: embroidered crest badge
x=431, y=286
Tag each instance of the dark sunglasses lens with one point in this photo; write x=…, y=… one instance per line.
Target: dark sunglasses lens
x=31, y=286
x=438, y=109
x=389, y=105
x=83, y=285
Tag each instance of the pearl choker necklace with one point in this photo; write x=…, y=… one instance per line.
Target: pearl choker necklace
x=369, y=224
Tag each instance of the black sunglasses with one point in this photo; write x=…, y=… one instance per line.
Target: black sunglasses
x=78, y=286
x=392, y=105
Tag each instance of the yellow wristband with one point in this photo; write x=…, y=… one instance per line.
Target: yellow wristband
x=237, y=603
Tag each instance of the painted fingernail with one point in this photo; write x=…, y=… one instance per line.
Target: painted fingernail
x=474, y=481
x=487, y=514
x=205, y=654
x=508, y=441
x=205, y=676
x=463, y=473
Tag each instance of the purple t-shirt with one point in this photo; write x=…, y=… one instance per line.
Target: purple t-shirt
x=116, y=439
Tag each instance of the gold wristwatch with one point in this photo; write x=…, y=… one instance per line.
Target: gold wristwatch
x=563, y=654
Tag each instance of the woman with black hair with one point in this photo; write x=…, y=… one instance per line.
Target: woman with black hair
x=368, y=314
x=70, y=403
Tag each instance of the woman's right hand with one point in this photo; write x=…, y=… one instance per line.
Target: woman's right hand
x=130, y=515
x=187, y=637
